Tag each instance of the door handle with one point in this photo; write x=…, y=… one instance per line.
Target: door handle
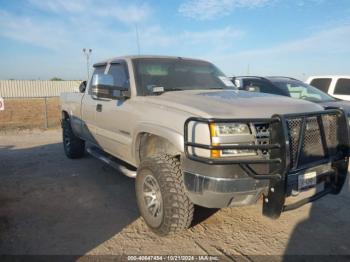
x=99, y=108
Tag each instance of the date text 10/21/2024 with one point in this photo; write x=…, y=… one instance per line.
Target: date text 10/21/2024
x=173, y=258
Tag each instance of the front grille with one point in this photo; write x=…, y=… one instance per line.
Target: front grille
x=311, y=147
x=262, y=137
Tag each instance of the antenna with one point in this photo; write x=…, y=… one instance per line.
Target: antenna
x=137, y=39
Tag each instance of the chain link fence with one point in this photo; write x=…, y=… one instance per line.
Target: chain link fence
x=32, y=104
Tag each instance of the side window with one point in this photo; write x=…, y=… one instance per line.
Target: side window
x=120, y=75
x=342, y=87
x=98, y=70
x=321, y=83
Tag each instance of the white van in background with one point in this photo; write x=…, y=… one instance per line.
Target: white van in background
x=335, y=85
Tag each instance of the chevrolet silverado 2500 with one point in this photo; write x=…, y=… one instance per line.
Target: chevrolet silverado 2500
x=190, y=138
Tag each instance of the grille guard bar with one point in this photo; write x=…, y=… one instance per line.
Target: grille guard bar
x=279, y=161
x=279, y=139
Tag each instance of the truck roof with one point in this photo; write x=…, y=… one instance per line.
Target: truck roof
x=131, y=57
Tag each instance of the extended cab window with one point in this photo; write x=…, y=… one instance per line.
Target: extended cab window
x=120, y=75
x=342, y=87
x=321, y=83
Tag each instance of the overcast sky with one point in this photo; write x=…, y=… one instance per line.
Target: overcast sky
x=40, y=39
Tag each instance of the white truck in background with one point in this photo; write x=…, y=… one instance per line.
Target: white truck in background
x=337, y=86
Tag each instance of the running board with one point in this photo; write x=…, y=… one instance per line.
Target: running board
x=112, y=161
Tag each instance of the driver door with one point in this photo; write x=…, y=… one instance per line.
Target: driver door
x=89, y=110
x=113, y=130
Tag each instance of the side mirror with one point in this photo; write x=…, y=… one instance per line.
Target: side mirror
x=103, y=87
x=82, y=87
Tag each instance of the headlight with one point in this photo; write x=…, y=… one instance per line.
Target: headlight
x=230, y=130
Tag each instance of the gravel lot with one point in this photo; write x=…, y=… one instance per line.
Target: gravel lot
x=52, y=205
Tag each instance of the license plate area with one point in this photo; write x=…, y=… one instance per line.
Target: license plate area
x=307, y=185
x=307, y=181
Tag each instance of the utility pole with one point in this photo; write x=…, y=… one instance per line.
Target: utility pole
x=87, y=52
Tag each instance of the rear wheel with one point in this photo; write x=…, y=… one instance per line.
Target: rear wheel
x=74, y=147
x=161, y=195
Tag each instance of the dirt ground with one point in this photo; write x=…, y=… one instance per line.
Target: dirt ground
x=52, y=205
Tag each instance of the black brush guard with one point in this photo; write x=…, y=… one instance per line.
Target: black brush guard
x=291, y=137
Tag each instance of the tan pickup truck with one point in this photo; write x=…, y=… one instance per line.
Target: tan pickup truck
x=180, y=127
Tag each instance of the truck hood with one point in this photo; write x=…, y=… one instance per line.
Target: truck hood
x=231, y=103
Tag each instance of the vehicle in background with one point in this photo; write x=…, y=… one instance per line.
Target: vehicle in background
x=287, y=86
x=190, y=138
x=336, y=86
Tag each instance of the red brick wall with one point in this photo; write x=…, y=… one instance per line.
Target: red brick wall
x=30, y=113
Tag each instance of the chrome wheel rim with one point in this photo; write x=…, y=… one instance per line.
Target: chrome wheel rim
x=152, y=196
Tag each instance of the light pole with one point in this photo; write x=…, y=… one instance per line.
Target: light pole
x=87, y=52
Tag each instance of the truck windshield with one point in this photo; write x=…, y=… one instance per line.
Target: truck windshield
x=300, y=90
x=177, y=74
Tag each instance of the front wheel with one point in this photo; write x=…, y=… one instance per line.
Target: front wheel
x=161, y=195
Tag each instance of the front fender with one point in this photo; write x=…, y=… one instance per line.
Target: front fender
x=174, y=137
